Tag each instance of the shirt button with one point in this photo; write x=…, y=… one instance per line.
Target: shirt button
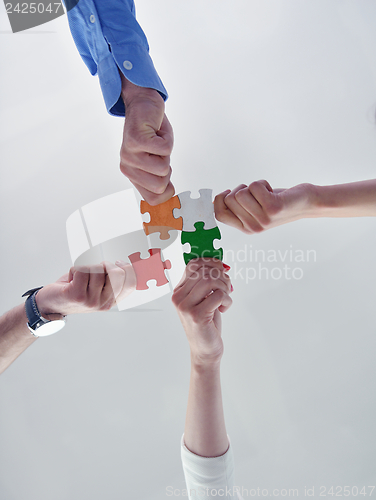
x=127, y=65
x=92, y=18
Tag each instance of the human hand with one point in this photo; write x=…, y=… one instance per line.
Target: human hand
x=200, y=297
x=258, y=207
x=147, y=143
x=87, y=289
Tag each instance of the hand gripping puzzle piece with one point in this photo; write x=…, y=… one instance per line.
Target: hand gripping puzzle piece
x=196, y=209
x=201, y=241
x=152, y=268
x=162, y=219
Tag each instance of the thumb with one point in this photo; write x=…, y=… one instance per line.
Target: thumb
x=163, y=139
x=130, y=280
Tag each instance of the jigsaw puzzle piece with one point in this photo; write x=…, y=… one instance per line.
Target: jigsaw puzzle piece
x=162, y=219
x=152, y=268
x=201, y=241
x=196, y=209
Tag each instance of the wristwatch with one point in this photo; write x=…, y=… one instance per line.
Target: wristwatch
x=39, y=326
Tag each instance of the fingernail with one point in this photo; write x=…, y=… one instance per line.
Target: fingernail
x=232, y=288
x=120, y=263
x=226, y=267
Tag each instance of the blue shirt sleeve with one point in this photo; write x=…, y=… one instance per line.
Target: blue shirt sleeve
x=108, y=37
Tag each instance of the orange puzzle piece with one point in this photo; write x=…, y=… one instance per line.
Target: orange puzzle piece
x=162, y=219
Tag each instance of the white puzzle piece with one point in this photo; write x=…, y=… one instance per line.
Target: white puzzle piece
x=196, y=209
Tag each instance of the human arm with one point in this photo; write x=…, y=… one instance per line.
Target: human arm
x=258, y=207
x=200, y=298
x=207, y=458
x=112, y=44
x=82, y=290
x=147, y=143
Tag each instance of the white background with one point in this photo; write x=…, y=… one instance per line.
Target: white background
x=278, y=89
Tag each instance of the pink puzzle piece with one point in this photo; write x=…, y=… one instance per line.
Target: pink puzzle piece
x=152, y=268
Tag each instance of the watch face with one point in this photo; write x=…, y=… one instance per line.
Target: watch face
x=50, y=328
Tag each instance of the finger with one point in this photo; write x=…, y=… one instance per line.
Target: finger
x=65, y=278
x=200, y=291
x=249, y=223
x=151, y=182
x=153, y=164
x=153, y=198
x=263, y=193
x=71, y=273
x=161, y=144
x=223, y=213
x=204, y=273
x=167, y=133
x=77, y=288
x=252, y=207
x=195, y=264
x=217, y=300
x=130, y=280
x=212, y=277
x=113, y=284
x=263, y=183
x=96, y=284
x=145, y=130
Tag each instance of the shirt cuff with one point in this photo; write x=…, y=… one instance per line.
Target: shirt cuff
x=203, y=473
x=136, y=65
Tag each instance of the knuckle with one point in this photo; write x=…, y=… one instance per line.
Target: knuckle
x=80, y=298
x=92, y=304
x=154, y=199
x=124, y=167
x=241, y=195
x=161, y=168
x=108, y=305
x=183, y=307
x=216, y=199
x=247, y=230
x=272, y=208
x=254, y=185
x=175, y=299
x=221, y=294
x=258, y=229
x=159, y=187
x=219, y=214
x=195, y=316
x=166, y=169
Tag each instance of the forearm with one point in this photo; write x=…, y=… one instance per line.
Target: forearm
x=109, y=38
x=205, y=431
x=15, y=336
x=356, y=199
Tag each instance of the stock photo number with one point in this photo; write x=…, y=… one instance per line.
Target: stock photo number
x=33, y=8
x=345, y=491
x=25, y=15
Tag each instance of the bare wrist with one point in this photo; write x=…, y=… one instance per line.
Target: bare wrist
x=205, y=364
x=130, y=91
x=43, y=307
x=312, y=195
x=317, y=201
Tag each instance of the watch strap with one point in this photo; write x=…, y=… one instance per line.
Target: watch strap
x=32, y=312
x=29, y=292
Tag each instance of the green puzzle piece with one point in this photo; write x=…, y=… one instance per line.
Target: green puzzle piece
x=201, y=242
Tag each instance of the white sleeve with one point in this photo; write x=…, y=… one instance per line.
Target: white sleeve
x=204, y=474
